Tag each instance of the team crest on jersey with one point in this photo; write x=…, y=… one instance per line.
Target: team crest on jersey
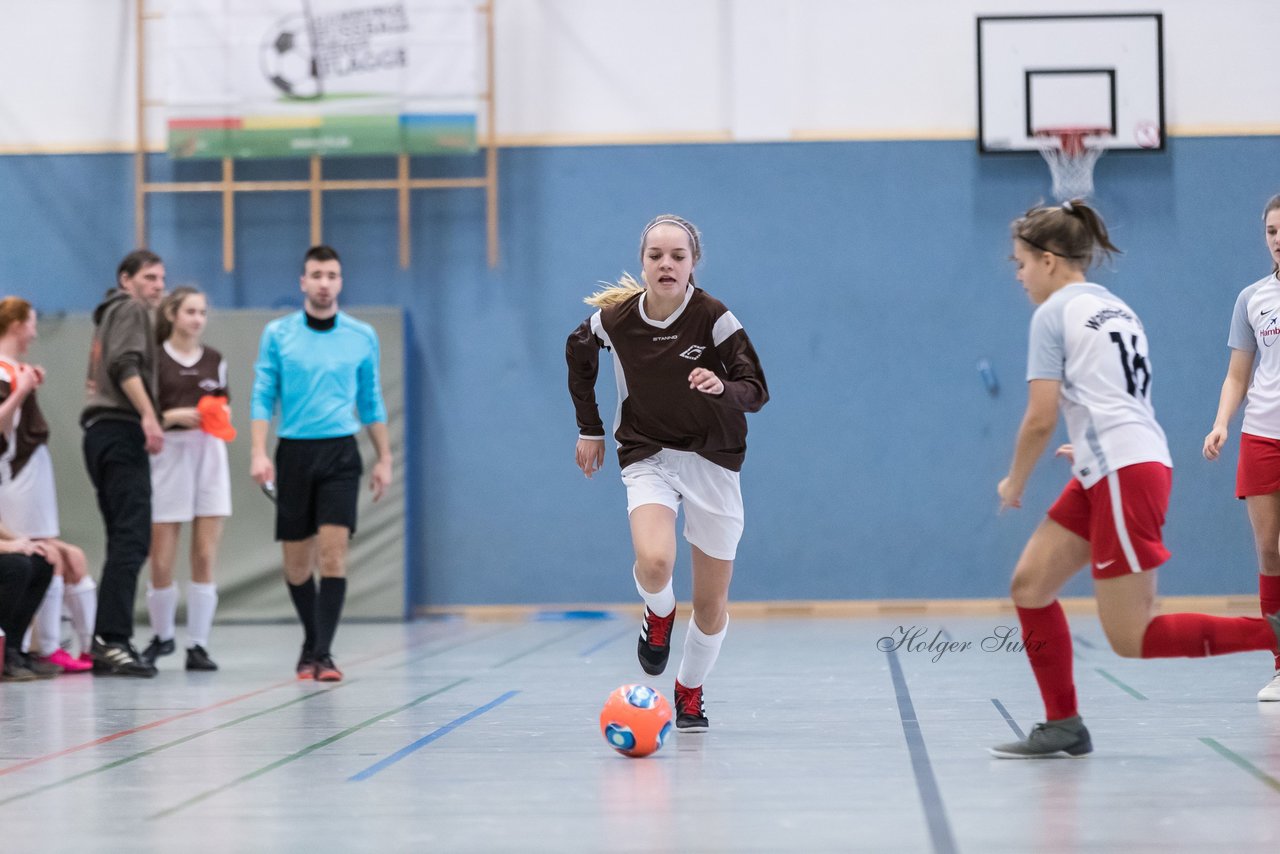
x=209, y=385
x=693, y=352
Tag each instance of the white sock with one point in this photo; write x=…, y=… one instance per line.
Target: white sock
x=202, y=601
x=82, y=602
x=162, y=604
x=26, y=640
x=700, y=654
x=661, y=603
x=48, y=622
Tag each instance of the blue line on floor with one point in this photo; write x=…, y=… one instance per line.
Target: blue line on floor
x=1084, y=643
x=610, y=639
x=1008, y=718
x=926, y=783
x=428, y=738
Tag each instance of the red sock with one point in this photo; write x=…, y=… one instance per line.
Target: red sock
x=1048, y=644
x=1198, y=635
x=1269, y=598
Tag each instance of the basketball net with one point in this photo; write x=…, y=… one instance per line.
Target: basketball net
x=1071, y=153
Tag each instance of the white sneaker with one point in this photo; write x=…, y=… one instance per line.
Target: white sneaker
x=1270, y=692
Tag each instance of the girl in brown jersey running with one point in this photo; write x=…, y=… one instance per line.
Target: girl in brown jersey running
x=687, y=376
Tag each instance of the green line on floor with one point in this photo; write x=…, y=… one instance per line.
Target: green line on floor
x=312, y=748
x=142, y=754
x=1237, y=759
x=1123, y=687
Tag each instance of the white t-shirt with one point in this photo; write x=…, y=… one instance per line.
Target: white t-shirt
x=1085, y=337
x=1255, y=328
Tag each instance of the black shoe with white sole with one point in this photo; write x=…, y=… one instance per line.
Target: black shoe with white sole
x=119, y=658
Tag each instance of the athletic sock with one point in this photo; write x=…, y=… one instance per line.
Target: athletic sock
x=1046, y=637
x=700, y=653
x=1269, y=598
x=304, y=602
x=661, y=603
x=162, y=605
x=333, y=591
x=48, y=624
x=1198, y=635
x=82, y=602
x=202, y=601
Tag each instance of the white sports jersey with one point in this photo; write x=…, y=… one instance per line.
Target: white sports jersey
x=1085, y=337
x=1255, y=328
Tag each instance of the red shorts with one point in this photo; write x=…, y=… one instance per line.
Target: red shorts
x=1121, y=517
x=1258, y=471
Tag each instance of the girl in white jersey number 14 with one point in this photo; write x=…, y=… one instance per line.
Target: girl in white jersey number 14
x=1088, y=353
x=1255, y=332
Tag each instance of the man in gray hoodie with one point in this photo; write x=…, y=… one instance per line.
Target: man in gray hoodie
x=120, y=430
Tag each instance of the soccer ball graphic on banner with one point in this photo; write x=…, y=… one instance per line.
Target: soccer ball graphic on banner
x=635, y=720
x=288, y=59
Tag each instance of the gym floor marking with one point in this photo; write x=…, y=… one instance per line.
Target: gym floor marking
x=153, y=750
x=311, y=748
x=610, y=639
x=531, y=650
x=1123, y=687
x=1008, y=718
x=428, y=738
x=189, y=713
x=926, y=784
x=1237, y=759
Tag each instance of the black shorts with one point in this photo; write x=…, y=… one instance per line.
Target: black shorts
x=317, y=483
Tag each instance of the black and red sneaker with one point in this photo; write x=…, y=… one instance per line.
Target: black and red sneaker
x=689, y=713
x=306, y=664
x=654, y=645
x=326, y=670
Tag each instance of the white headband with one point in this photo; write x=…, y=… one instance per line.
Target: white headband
x=693, y=240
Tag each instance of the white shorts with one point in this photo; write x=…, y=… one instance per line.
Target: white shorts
x=29, y=502
x=712, y=497
x=190, y=477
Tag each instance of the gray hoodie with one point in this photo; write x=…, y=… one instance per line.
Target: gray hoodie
x=124, y=346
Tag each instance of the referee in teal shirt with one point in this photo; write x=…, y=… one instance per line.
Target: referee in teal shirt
x=321, y=366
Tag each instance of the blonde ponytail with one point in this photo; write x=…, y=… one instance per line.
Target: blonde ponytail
x=625, y=288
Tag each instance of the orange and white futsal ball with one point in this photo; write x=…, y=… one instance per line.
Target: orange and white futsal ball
x=635, y=720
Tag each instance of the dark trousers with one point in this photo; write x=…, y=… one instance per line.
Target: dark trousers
x=23, y=581
x=115, y=454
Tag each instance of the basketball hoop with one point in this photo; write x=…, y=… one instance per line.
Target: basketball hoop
x=1071, y=153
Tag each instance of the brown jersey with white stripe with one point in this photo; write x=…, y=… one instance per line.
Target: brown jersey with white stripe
x=652, y=362
x=29, y=430
x=183, y=385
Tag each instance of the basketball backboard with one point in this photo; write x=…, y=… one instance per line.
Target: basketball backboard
x=1048, y=72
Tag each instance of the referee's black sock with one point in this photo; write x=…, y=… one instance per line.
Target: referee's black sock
x=304, y=602
x=333, y=592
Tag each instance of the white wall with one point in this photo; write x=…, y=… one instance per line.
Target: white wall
x=592, y=71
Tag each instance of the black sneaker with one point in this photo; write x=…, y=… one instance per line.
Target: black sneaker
x=198, y=659
x=157, y=648
x=689, y=712
x=41, y=669
x=654, y=644
x=306, y=664
x=1054, y=738
x=119, y=658
x=15, y=670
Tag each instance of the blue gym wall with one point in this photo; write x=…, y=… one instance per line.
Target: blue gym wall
x=872, y=277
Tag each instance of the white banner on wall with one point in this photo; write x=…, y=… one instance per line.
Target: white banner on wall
x=292, y=78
